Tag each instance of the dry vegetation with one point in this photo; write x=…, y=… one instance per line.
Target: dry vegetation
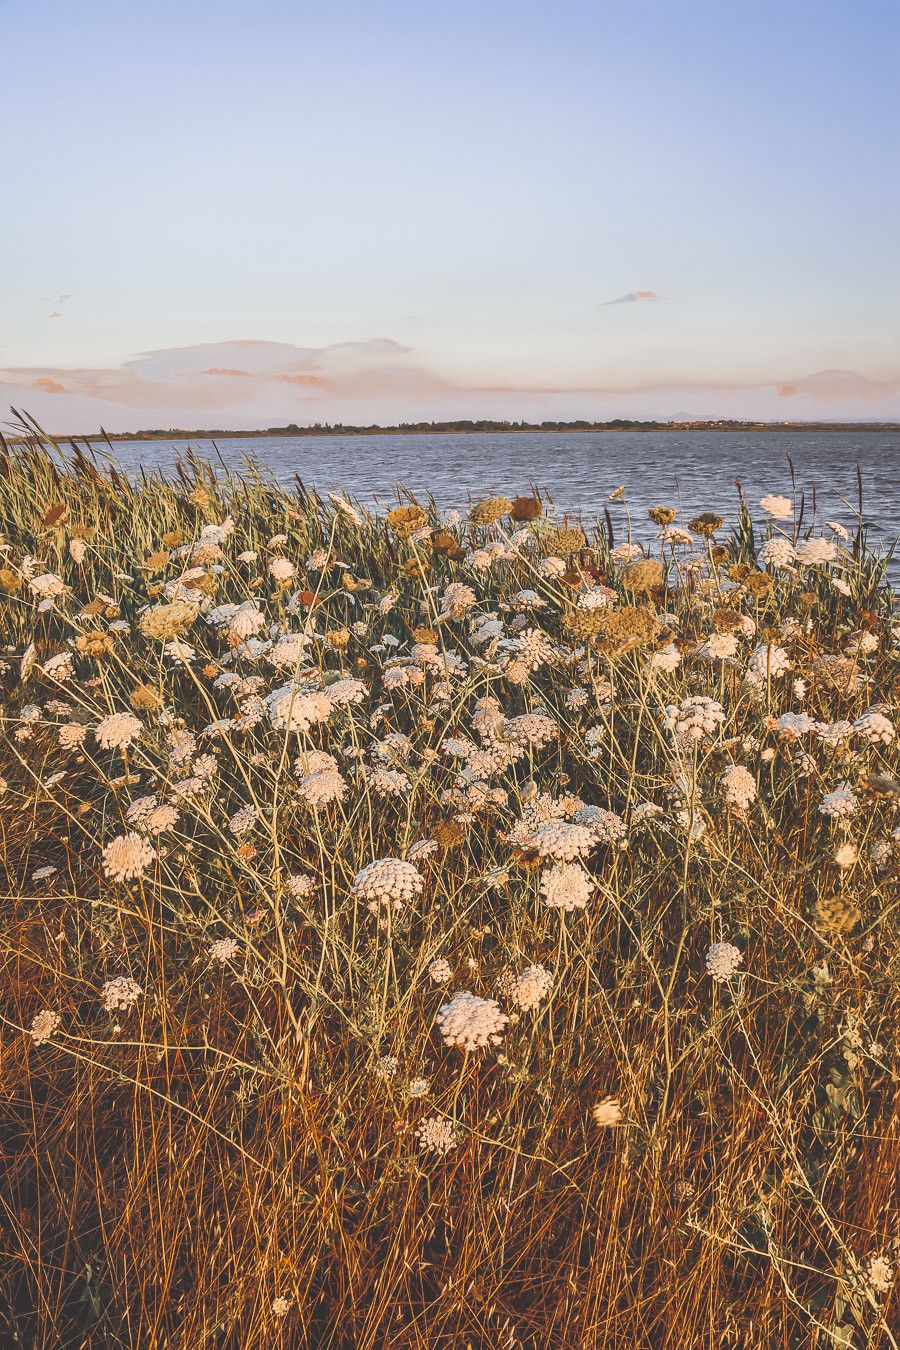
x=242, y=1102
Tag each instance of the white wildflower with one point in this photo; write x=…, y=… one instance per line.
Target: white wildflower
x=471, y=1022
x=722, y=961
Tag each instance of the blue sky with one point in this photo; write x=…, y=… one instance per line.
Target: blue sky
x=289, y=211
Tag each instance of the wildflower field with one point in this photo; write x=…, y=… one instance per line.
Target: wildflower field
x=425, y=929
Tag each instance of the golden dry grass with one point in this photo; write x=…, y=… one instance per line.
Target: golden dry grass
x=241, y=1134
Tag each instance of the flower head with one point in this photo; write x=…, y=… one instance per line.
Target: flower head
x=722, y=961
x=388, y=881
x=471, y=1022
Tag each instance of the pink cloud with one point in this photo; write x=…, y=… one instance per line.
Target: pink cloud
x=632, y=297
x=251, y=382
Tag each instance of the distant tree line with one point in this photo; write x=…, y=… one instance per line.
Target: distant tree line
x=483, y=426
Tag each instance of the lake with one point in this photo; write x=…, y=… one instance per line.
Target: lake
x=694, y=471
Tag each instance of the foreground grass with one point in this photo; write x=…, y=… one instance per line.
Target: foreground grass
x=230, y=1115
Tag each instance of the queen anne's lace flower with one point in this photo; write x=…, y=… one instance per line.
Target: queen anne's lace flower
x=436, y=1135
x=694, y=718
x=59, y=667
x=527, y=989
x=127, y=856
x=322, y=788
x=48, y=586
x=840, y=803
x=346, y=691
x=281, y=569
x=879, y=1274
x=767, y=661
x=739, y=786
x=120, y=994
x=72, y=735
x=43, y=1026
x=719, y=647
x=562, y=839
x=471, y=1022
x=244, y=820
x=606, y=826
x=814, y=551
x=778, y=552
x=566, y=886
x=294, y=709
x=722, y=961
x=299, y=886
x=223, y=950
x=457, y=598
x=780, y=508
x=388, y=881
x=440, y=971
x=245, y=622
x=289, y=651
x=875, y=727
x=118, y=730
x=531, y=729
x=795, y=724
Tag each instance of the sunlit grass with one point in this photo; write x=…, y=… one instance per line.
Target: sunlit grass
x=666, y=1118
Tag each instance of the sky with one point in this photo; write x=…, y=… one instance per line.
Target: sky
x=223, y=214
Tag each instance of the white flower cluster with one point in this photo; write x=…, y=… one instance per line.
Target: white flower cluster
x=780, y=508
x=127, y=856
x=388, y=881
x=739, y=786
x=875, y=728
x=293, y=708
x=243, y=821
x=566, y=886
x=440, y=971
x=694, y=719
x=840, y=803
x=562, y=839
x=43, y=1025
x=299, y=886
x=528, y=989
x=118, y=730
x=767, y=662
x=606, y=826
x=457, y=598
x=778, y=552
x=471, y=1022
x=223, y=949
x=120, y=994
x=722, y=961
x=436, y=1135
x=815, y=551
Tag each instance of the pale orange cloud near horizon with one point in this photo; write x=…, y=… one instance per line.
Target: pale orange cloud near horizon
x=258, y=383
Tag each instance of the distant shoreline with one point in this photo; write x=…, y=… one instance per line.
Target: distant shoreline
x=475, y=429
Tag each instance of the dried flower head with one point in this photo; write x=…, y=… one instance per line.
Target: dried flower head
x=43, y=1025
x=607, y=1112
x=120, y=994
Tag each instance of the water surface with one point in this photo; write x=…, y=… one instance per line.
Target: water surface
x=694, y=471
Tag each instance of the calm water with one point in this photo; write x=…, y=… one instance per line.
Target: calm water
x=692, y=470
